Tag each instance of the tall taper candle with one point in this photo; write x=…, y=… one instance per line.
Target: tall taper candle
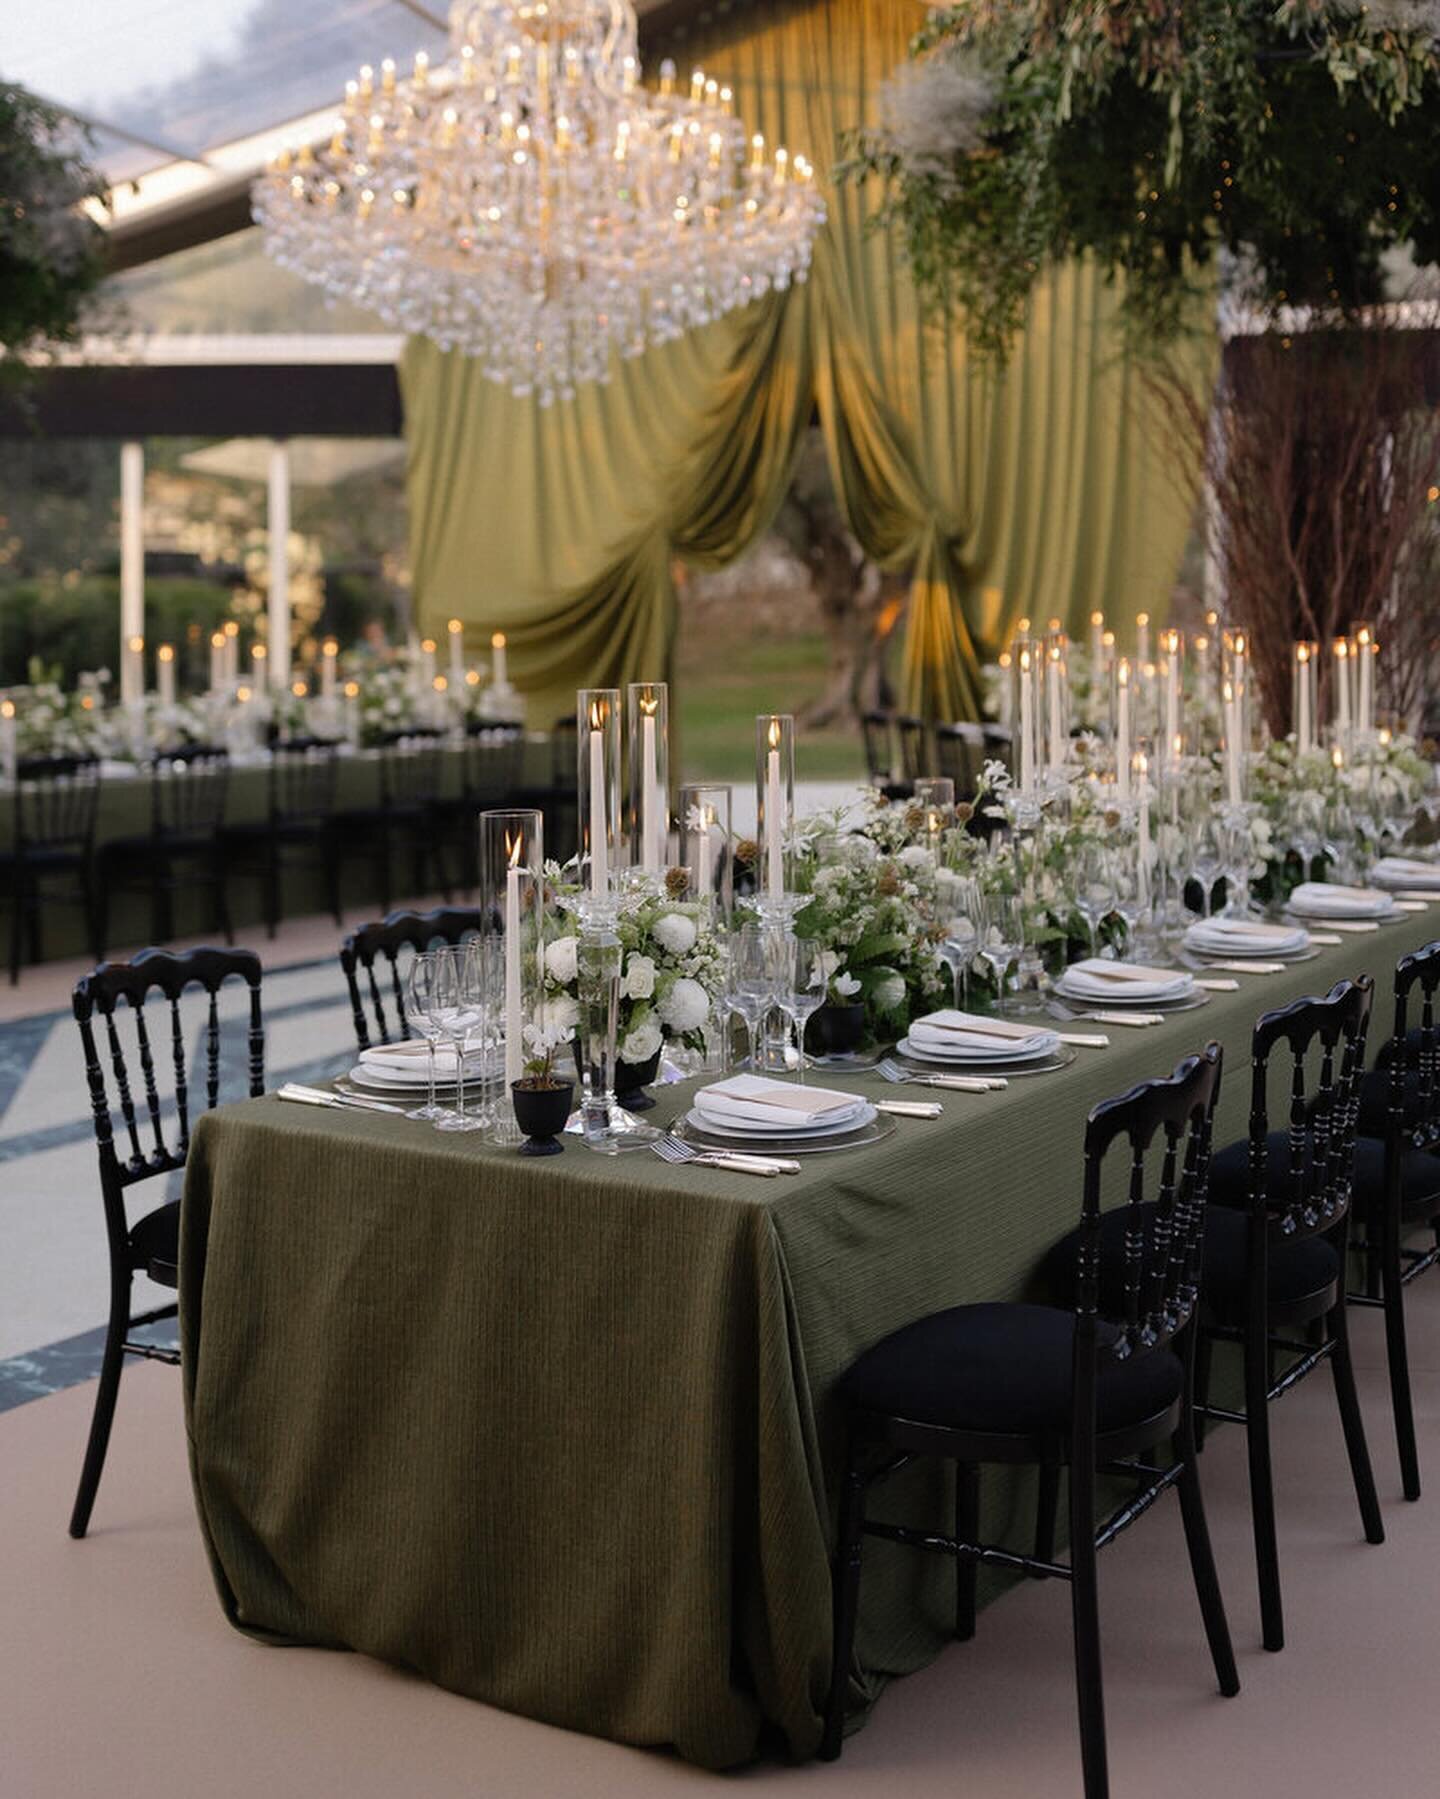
x=774, y=823
x=329, y=657
x=457, y=651
x=514, y=1012
x=498, y=667
x=1122, y=728
x=165, y=673
x=599, y=806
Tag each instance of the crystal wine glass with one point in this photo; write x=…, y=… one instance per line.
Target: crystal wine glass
x=458, y=1011
x=1207, y=861
x=962, y=934
x=1002, y=938
x=419, y=992
x=1094, y=889
x=802, y=990
x=750, y=990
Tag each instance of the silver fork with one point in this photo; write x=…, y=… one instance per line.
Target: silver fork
x=890, y=1070
x=670, y=1148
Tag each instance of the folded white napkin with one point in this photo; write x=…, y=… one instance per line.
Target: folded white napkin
x=408, y=1061
x=1323, y=899
x=1246, y=937
x=1096, y=979
x=1404, y=871
x=991, y=1039
x=753, y=1099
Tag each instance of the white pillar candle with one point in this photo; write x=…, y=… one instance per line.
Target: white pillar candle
x=1027, y=721
x=165, y=673
x=329, y=663
x=706, y=872
x=599, y=812
x=1342, y=687
x=1142, y=844
x=132, y=569
x=774, y=823
x=1142, y=638
x=1304, y=719
x=1365, y=671
x=278, y=537
x=1097, y=644
x=457, y=651
x=1054, y=671
x=514, y=1024
x=217, y=661
x=499, y=673
x=1232, y=743
x=650, y=851
x=1122, y=728
x=8, y=730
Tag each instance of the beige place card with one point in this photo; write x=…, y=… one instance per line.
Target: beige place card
x=748, y=1089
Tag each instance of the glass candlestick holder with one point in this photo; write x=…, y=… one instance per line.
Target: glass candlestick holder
x=707, y=847
x=512, y=899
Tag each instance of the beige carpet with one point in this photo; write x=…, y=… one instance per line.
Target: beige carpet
x=118, y=1676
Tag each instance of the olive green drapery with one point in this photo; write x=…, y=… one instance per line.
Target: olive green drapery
x=1032, y=489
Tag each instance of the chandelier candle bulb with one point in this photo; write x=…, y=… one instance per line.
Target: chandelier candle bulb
x=499, y=673
x=165, y=673
x=457, y=650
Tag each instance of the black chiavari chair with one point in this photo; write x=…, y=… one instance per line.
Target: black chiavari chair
x=960, y=756
x=56, y=799
x=188, y=788
x=407, y=815
x=1060, y=1388
x=1397, y=1178
x=491, y=764
x=558, y=798
x=151, y=1244
x=373, y=955
x=885, y=755
x=297, y=828
x=1276, y=1250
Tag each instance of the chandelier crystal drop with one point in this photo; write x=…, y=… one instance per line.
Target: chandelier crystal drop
x=529, y=203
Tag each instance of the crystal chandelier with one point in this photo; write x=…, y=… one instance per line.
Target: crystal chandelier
x=528, y=203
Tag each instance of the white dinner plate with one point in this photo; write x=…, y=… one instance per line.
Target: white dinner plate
x=852, y=1121
x=1121, y=1001
x=936, y=1052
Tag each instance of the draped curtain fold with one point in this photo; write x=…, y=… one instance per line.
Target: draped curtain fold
x=1030, y=489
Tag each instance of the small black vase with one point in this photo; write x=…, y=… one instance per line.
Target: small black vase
x=835, y=1030
x=541, y=1113
x=631, y=1080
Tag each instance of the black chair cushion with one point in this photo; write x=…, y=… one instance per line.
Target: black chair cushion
x=1419, y=1180
x=155, y=1243
x=1295, y=1271
x=1003, y=1369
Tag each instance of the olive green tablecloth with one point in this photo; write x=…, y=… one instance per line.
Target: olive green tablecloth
x=124, y=811
x=560, y=1434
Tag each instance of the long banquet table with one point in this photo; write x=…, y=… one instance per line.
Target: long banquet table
x=560, y=1434
x=123, y=811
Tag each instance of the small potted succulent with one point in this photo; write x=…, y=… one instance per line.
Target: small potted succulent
x=541, y=1099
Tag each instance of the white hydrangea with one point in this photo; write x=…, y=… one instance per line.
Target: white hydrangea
x=914, y=855
x=674, y=932
x=558, y=1018
x=685, y=1007
x=889, y=994
x=560, y=960
x=642, y=1042
x=639, y=981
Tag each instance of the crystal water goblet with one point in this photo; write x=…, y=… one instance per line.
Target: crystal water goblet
x=459, y=1014
x=750, y=983
x=1002, y=938
x=419, y=991
x=1094, y=889
x=962, y=934
x=802, y=991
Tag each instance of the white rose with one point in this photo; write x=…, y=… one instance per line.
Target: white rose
x=642, y=1042
x=889, y=993
x=560, y=960
x=559, y=1017
x=685, y=1007
x=674, y=932
x=639, y=982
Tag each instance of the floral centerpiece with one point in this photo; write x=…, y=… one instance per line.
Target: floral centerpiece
x=385, y=701
x=671, y=972
x=49, y=722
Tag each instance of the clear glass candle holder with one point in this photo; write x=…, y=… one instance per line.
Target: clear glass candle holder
x=774, y=800
x=707, y=847
x=597, y=719
x=512, y=899
x=647, y=718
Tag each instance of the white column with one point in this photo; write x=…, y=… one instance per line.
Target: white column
x=132, y=569
x=278, y=523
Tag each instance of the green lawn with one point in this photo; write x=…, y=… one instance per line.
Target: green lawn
x=720, y=690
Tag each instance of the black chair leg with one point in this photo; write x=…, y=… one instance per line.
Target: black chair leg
x=1398, y=1357
x=104, y=1414
x=967, y=1530
x=1085, y=1612
x=1202, y=1563
x=1047, y=1509
x=1353, y=1424
x=846, y=1606
x=1262, y=1493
